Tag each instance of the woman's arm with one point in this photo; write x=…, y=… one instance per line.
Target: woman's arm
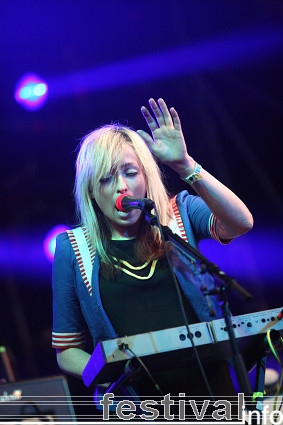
x=73, y=361
x=68, y=336
x=168, y=144
x=233, y=217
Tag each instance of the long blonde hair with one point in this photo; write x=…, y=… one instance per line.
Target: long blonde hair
x=100, y=152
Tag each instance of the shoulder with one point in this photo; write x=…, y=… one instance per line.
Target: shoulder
x=194, y=212
x=178, y=199
x=63, y=248
x=69, y=245
x=62, y=238
x=182, y=198
x=68, y=234
x=64, y=241
x=185, y=200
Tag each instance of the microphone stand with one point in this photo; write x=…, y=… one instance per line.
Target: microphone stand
x=225, y=283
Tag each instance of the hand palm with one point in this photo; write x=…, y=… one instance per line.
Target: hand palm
x=168, y=146
x=167, y=141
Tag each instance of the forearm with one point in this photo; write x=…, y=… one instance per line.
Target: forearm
x=73, y=361
x=234, y=218
x=167, y=143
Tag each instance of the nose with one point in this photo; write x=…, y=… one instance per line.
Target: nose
x=122, y=186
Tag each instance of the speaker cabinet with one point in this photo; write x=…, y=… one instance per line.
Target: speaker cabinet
x=41, y=400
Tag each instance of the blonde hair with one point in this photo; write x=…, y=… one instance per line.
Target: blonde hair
x=100, y=152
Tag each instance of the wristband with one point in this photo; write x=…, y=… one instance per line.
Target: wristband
x=195, y=176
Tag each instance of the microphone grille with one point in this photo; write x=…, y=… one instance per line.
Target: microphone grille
x=119, y=201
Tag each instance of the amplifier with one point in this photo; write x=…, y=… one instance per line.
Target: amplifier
x=40, y=400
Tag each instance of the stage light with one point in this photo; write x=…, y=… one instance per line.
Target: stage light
x=49, y=243
x=215, y=54
x=31, y=92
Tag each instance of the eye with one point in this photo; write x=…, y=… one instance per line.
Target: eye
x=106, y=179
x=131, y=173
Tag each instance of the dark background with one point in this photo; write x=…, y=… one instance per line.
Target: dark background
x=218, y=63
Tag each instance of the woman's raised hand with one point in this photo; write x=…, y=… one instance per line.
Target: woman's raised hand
x=166, y=141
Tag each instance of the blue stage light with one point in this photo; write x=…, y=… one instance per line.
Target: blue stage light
x=49, y=243
x=215, y=54
x=40, y=89
x=31, y=92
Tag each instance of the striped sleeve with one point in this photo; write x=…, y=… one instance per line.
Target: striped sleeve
x=213, y=230
x=68, y=340
x=68, y=322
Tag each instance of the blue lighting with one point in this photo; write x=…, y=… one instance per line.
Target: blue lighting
x=49, y=243
x=25, y=93
x=40, y=89
x=31, y=92
x=255, y=258
x=233, y=50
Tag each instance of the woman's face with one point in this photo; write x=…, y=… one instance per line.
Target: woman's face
x=128, y=179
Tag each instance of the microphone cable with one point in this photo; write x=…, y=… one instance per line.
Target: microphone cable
x=182, y=307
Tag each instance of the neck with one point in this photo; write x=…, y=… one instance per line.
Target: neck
x=127, y=233
x=130, y=232
x=120, y=238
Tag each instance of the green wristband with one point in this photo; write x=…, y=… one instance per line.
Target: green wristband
x=195, y=176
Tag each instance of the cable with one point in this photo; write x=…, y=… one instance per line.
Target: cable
x=273, y=348
x=123, y=347
x=276, y=355
x=277, y=393
x=182, y=306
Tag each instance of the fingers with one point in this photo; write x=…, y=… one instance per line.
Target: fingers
x=149, y=119
x=176, y=119
x=165, y=114
x=147, y=138
x=161, y=113
x=157, y=112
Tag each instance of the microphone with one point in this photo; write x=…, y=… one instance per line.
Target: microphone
x=127, y=203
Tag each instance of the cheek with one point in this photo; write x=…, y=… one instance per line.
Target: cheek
x=139, y=191
x=100, y=198
x=142, y=185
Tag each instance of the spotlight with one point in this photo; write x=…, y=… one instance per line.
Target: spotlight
x=49, y=243
x=31, y=92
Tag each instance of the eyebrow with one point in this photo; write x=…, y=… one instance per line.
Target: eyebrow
x=129, y=164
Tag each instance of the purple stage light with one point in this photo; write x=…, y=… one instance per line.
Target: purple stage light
x=31, y=92
x=49, y=243
x=224, y=52
x=255, y=259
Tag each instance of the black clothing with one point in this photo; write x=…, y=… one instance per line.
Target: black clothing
x=136, y=306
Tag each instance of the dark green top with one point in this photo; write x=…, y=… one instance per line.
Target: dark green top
x=136, y=306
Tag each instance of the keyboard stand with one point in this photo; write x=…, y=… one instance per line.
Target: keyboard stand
x=258, y=396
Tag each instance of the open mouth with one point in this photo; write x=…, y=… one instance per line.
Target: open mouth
x=121, y=213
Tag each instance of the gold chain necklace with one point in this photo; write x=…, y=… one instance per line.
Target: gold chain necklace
x=152, y=269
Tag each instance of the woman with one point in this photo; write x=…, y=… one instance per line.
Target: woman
x=128, y=288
